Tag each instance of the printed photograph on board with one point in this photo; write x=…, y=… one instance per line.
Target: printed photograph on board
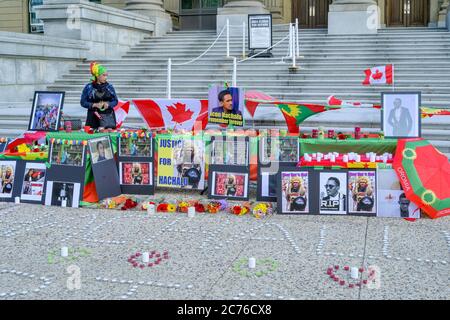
x=62, y=194
x=135, y=173
x=33, y=181
x=135, y=146
x=7, y=176
x=230, y=184
x=46, y=111
x=100, y=149
x=67, y=154
x=295, y=192
x=362, y=192
x=333, y=193
x=392, y=201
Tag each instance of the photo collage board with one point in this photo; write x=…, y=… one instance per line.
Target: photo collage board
x=136, y=171
x=229, y=168
x=65, y=177
x=274, y=152
x=104, y=167
x=327, y=192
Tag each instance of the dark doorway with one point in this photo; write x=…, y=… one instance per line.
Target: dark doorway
x=311, y=13
x=407, y=13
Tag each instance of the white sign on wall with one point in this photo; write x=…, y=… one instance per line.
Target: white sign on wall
x=259, y=31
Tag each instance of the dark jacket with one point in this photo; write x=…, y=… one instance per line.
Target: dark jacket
x=90, y=96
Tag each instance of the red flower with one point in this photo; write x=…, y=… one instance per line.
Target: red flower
x=199, y=207
x=162, y=207
x=237, y=210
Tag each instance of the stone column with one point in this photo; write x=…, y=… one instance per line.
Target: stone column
x=353, y=17
x=237, y=12
x=443, y=19
x=154, y=9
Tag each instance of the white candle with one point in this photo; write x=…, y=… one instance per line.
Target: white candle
x=151, y=209
x=333, y=158
x=358, y=158
x=354, y=273
x=17, y=200
x=64, y=251
x=64, y=203
x=252, y=263
x=319, y=159
x=345, y=158
x=368, y=154
x=372, y=158
x=145, y=257
x=385, y=159
x=191, y=212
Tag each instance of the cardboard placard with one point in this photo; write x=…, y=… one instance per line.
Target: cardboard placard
x=65, y=177
x=181, y=162
x=33, y=184
x=10, y=175
x=228, y=184
x=274, y=152
x=104, y=167
x=136, y=169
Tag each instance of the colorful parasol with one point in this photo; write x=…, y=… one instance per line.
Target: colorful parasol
x=424, y=173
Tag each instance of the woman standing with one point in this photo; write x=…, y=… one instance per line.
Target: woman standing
x=99, y=98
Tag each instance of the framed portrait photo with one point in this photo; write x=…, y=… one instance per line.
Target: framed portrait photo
x=7, y=178
x=63, y=194
x=400, y=114
x=46, y=111
x=228, y=185
x=100, y=149
x=136, y=173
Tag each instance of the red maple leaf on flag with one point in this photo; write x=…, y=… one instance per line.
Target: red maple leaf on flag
x=377, y=75
x=179, y=112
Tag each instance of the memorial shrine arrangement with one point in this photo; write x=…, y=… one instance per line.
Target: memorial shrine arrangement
x=204, y=146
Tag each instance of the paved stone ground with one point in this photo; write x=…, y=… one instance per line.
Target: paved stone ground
x=208, y=255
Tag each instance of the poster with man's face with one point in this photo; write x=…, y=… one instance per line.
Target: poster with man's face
x=333, y=193
x=226, y=106
x=295, y=192
x=362, y=192
x=401, y=115
x=100, y=149
x=392, y=201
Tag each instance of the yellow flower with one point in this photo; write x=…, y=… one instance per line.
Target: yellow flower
x=171, y=208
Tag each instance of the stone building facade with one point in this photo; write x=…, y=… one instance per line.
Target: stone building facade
x=19, y=15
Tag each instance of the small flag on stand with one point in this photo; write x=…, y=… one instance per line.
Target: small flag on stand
x=379, y=75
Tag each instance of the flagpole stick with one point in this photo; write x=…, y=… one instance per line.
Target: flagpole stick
x=393, y=77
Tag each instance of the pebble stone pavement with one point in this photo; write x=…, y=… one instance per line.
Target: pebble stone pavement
x=208, y=255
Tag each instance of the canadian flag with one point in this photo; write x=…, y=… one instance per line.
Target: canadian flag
x=379, y=75
x=121, y=112
x=187, y=114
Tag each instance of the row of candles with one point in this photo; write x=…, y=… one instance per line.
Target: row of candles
x=348, y=157
x=331, y=133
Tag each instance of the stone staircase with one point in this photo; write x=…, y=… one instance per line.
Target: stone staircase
x=329, y=65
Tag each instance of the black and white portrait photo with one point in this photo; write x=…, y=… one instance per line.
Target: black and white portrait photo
x=401, y=114
x=333, y=193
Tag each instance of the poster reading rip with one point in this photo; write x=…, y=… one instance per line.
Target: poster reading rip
x=333, y=192
x=33, y=182
x=295, y=192
x=362, y=192
x=181, y=162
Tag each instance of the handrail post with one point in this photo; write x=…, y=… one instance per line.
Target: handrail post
x=243, y=39
x=169, y=79
x=228, y=38
x=290, y=41
x=297, y=37
x=234, y=72
x=293, y=50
